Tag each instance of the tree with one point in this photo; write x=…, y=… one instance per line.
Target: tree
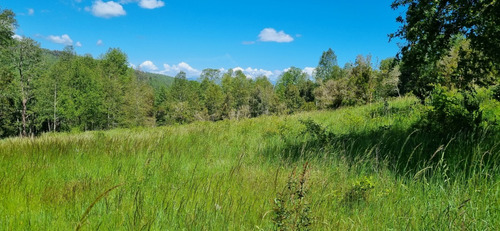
x=328, y=67
x=26, y=59
x=388, y=79
x=179, y=89
x=240, y=89
x=362, y=80
x=430, y=28
x=183, y=102
x=213, y=75
x=8, y=91
x=50, y=88
x=139, y=103
x=263, y=99
x=7, y=25
x=115, y=75
x=333, y=93
x=293, y=76
x=437, y=54
x=8, y=103
x=211, y=94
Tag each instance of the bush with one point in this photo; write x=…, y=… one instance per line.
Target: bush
x=452, y=111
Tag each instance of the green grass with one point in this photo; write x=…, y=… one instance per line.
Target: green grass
x=226, y=175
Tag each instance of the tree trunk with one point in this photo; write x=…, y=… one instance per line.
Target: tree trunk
x=23, y=95
x=23, y=114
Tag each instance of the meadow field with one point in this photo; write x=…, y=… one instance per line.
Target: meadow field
x=355, y=168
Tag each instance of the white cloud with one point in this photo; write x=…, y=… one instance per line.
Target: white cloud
x=63, y=39
x=106, y=9
x=99, y=42
x=17, y=37
x=174, y=69
x=151, y=4
x=31, y=11
x=309, y=70
x=271, y=35
x=148, y=66
x=78, y=44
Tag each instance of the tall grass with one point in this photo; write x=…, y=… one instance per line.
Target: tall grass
x=227, y=175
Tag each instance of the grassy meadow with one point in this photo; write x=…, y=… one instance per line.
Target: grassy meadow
x=366, y=168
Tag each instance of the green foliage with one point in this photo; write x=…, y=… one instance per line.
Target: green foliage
x=452, y=111
x=496, y=92
x=212, y=98
x=359, y=84
x=431, y=30
x=25, y=60
x=387, y=82
x=8, y=104
x=328, y=67
x=333, y=93
x=263, y=100
x=7, y=25
x=294, y=89
x=362, y=80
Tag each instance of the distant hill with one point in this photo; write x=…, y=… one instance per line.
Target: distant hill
x=155, y=80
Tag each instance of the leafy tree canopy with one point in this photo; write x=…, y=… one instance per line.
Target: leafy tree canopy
x=430, y=29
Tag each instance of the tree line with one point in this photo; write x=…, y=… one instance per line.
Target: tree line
x=448, y=55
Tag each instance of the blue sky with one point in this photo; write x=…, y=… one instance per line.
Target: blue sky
x=165, y=36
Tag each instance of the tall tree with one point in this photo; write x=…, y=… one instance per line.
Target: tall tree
x=328, y=67
x=213, y=75
x=263, y=99
x=362, y=80
x=26, y=59
x=211, y=94
x=115, y=74
x=50, y=87
x=7, y=25
x=8, y=103
x=388, y=78
x=8, y=96
x=288, y=88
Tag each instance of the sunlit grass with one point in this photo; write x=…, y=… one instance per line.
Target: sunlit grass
x=226, y=175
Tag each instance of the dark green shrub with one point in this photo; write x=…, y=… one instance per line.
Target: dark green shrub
x=452, y=111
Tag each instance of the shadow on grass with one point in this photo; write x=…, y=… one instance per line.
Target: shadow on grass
x=406, y=151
